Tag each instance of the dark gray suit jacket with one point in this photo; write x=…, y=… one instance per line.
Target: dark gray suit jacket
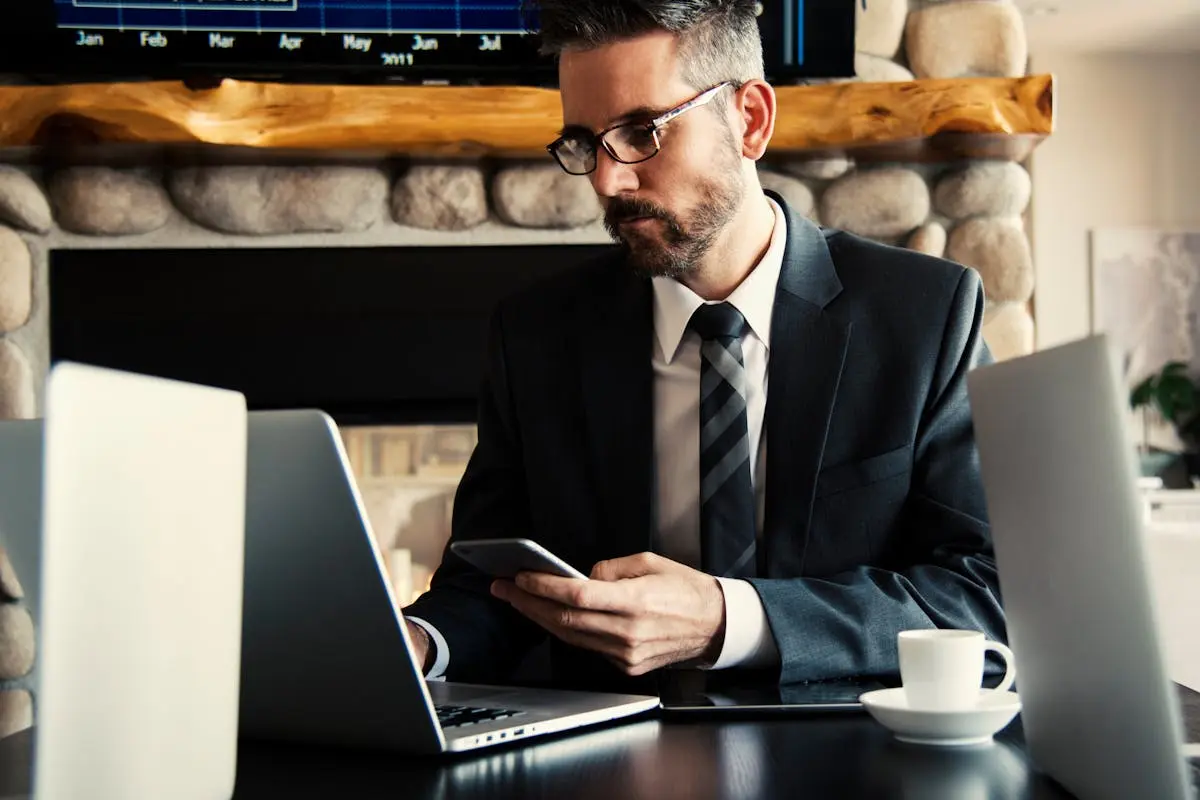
x=874, y=518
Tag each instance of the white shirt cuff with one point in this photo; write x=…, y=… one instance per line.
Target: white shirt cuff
x=748, y=638
x=441, y=650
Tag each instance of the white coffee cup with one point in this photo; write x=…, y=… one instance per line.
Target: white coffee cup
x=942, y=670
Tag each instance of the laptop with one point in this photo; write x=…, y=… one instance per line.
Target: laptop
x=139, y=599
x=1100, y=715
x=325, y=652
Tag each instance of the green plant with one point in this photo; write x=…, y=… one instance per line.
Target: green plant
x=1173, y=394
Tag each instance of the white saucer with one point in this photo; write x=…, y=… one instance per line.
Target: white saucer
x=972, y=726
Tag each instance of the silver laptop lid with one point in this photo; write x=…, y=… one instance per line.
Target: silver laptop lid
x=1100, y=715
x=143, y=515
x=325, y=655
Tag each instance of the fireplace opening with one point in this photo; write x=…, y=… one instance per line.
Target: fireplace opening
x=389, y=341
x=369, y=335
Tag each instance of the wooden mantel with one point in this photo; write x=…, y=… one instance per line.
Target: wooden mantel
x=921, y=120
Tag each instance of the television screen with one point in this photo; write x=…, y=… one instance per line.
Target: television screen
x=347, y=41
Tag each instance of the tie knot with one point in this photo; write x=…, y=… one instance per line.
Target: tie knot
x=717, y=321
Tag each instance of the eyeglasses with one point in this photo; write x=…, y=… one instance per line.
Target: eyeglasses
x=629, y=143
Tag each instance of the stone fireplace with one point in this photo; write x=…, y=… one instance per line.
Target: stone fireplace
x=970, y=211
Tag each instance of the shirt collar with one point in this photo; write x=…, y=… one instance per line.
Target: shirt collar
x=675, y=303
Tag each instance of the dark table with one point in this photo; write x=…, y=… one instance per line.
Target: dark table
x=837, y=756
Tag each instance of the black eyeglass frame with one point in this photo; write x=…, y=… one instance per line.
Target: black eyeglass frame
x=652, y=127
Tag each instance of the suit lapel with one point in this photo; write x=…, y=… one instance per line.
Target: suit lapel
x=808, y=351
x=618, y=400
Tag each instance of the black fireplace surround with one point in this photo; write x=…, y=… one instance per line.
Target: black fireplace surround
x=380, y=335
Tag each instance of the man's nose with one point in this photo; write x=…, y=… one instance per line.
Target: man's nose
x=611, y=177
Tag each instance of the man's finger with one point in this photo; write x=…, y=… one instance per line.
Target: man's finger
x=603, y=633
x=594, y=595
x=556, y=616
x=613, y=636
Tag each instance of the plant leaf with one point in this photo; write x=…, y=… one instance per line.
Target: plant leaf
x=1143, y=393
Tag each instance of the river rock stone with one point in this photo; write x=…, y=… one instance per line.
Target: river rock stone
x=269, y=200
x=879, y=26
x=985, y=188
x=1008, y=330
x=16, y=281
x=22, y=201
x=818, y=169
x=16, y=642
x=543, y=196
x=441, y=197
x=17, y=399
x=930, y=239
x=102, y=201
x=16, y=712
x=793, y=190
x=956, y=40
x=10, y=587
x=879, y=70
x=878, y=203
x=999, y=249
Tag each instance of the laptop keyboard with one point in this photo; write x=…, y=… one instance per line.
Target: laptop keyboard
x=458, y=716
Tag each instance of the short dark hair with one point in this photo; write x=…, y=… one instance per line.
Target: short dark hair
x=718, y=39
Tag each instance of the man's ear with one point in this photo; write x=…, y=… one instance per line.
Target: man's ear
x=756, y=105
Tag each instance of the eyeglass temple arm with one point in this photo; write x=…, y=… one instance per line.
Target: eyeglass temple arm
x=698, y=100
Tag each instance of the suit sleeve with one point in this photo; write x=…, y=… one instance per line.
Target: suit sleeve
x=486, y=638
x=846, y=624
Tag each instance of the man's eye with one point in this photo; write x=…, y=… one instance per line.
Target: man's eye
x=639, y=138
x=641, y=134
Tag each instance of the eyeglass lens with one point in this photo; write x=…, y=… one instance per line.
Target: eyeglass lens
x=629, y=144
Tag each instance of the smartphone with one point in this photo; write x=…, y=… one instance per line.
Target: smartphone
x=504, y=558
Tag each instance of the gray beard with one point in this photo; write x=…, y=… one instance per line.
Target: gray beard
x=683, y=247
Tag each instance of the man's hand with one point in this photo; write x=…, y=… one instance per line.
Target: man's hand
x=420, y=640
x=642, y=612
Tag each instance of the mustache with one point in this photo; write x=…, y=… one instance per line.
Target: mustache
x=621, y=209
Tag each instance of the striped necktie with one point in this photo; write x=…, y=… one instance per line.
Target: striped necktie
x=727, y=535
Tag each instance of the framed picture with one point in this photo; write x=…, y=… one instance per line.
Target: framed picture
x=1146, y=298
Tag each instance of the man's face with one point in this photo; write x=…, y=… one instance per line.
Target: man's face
x=671, y=209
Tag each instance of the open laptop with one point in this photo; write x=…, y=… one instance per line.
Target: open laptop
x=1100, y=715
x=138, y=600
x=325, y=655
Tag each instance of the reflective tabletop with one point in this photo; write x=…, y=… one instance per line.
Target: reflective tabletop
x=837, y=755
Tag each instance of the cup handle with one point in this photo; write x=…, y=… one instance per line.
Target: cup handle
x=1010, y=668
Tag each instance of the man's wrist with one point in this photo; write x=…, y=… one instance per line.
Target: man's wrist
x=437, y=652
x=424, y=644
x=717, y=641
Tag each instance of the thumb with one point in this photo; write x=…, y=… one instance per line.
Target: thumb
x=635, y=566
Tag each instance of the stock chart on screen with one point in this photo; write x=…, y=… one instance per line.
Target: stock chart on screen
x=418, y=41
x=313, y=16
x=377, y=33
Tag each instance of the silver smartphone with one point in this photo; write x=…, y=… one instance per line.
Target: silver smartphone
x=504, y=558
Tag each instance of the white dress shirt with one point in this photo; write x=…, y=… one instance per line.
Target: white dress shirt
x=676, y=362
x=748, y=639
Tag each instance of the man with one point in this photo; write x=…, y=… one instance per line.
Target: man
x=754, y=433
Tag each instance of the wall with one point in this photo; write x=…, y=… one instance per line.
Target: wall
x=1125, y=152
